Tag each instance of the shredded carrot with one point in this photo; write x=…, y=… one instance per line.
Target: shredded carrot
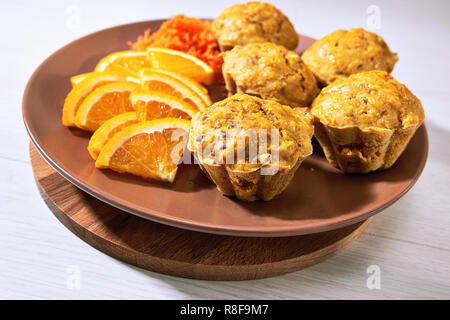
x=190, y=35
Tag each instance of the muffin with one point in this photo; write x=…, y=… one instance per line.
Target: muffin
x=253, y=22
x=343, y=53
x=365, y=122
x=250, y=147
x=269, y=71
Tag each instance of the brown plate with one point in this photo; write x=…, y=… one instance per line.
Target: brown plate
x=319, y=198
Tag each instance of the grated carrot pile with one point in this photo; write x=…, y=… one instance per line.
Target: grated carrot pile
x=190, y=35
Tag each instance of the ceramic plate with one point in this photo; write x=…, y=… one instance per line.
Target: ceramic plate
x=319, y=198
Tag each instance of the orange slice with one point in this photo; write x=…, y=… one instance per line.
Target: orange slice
x=81, y=90
x=108, y=129
x=194, y=85
x=104, y=103
x=78, y=78
x=150, y=149
x=176, y=85
x=180, y=62
x=124, y=61
x=151, y=105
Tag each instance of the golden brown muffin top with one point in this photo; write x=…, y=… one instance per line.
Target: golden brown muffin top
x=345, y=52
x=368, y=99
x=243, y=115
x=270, y=71
x=254, y=22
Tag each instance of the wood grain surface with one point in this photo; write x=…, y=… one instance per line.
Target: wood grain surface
x=179, y=252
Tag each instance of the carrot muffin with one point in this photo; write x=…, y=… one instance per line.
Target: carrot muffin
x=253, y=22
x=365, y=122
x=269, y=71
x=250, y=147
x=343, y=53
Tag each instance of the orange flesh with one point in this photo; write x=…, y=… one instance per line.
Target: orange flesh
x=110, y=105
x=172, y=62
x=94, y=152
x=147, y=153
x=133, y=63
x=80, y=101
x=156, y=110
x=120, y=127
x=155, y=85
x=128, y=64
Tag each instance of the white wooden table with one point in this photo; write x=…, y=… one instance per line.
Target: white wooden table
x=409, y=242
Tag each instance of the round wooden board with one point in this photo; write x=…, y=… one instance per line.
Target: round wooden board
x=178, y=252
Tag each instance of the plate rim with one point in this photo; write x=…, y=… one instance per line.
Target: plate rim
x=160, y=217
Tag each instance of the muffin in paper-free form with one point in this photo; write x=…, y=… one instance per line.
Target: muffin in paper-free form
x=345, y=52
x=365, y=122
x=269, y=71
x=250, y=147
x=251, y=22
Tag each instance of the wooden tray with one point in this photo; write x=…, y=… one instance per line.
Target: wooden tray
x=178, y=252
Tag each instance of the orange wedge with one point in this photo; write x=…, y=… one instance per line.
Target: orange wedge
x=150, y=149
x=176, y=85
x=104, y=103
x=81, y=90
x=78, y=78
x=108, y=129
x=124, y=61
x=151, y=105
x=182, y=63
x=194, y=85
